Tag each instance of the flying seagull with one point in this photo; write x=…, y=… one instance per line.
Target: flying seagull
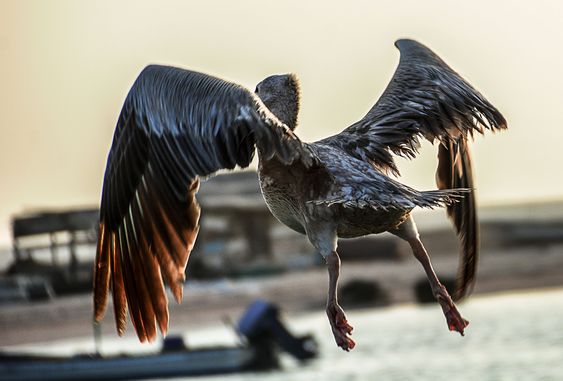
x=177, y=126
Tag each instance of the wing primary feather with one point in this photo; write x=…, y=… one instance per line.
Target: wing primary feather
x=156, y=289
x=160, y=248
x=170, y=219
x=118, y=287
x=454, y=171
x=150, y=266
x=175, y=240
x=145, y=301
x=102, y=272
x=131, y=289
x=193, y=214
x=469, y=229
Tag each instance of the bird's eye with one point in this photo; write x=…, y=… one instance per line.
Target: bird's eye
x=256, y=90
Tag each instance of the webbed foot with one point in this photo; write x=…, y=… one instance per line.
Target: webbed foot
x=341, y=329
x=454, y=319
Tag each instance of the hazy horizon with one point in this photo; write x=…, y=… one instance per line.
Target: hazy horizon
x=67, y=66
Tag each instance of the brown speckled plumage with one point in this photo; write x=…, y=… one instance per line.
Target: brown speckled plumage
x=177, y=126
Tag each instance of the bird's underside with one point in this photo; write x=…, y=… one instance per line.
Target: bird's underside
x=177, y=126
x=348, y=193
x=349, y=198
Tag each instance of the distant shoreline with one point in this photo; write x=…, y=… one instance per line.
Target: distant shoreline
x=296, y=292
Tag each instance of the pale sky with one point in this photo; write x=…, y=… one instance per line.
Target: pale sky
x=66, y=67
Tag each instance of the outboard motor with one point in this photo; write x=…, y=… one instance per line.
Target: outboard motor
x=261, y=322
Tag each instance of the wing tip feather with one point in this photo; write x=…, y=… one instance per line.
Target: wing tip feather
x=101, y=274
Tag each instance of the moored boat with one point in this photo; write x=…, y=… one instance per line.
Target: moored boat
x=263, y=334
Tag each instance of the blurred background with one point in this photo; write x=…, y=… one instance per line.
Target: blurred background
x=67, y=67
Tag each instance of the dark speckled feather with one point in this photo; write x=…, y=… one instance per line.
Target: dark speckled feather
x=426, y=98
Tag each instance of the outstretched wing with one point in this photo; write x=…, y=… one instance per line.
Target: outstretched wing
x=175, y=126
x=426, y=98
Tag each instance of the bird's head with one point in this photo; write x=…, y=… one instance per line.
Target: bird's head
x=281, y=93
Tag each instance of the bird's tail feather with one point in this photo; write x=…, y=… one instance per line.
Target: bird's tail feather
x=441, y=198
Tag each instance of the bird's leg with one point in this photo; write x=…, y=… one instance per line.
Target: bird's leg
x=454, y=319
x=324, y=238
x=340, y=327
x=409, y=232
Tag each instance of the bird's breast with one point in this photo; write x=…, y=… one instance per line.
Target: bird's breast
x=282, y=199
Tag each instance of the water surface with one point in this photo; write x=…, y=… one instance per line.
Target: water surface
x=511, y=337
